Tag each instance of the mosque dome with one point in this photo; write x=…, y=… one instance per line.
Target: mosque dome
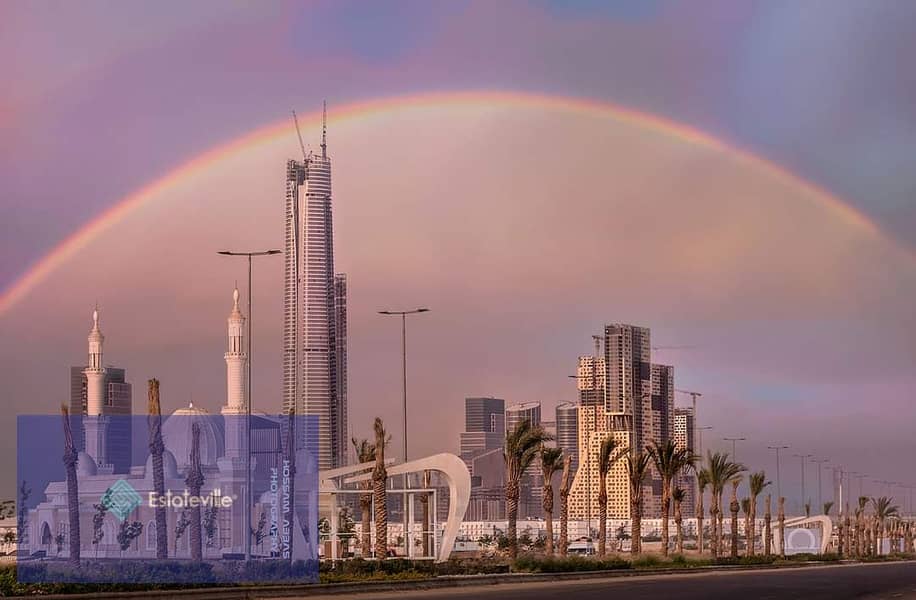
x=85, y=465
x=176, y=434
x=169, y=465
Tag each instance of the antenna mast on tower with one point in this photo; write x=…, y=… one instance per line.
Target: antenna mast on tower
x=299, y=134
x=324, y=129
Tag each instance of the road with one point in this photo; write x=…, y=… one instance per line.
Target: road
x=871, y=582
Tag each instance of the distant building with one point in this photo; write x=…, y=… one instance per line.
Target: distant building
x=528, y=411
x=312, y=355
x=117, y=402
x=485, y=427
x=683, y=437
x=567, y=426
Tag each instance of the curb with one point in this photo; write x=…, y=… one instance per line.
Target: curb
x=442, y=582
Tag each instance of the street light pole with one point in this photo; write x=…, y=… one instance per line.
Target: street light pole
x=734, y=440
x=778, y=486
x=403, y=314
x=802, y=457
x=248, y=495
x=820, y=489
x=700, y=431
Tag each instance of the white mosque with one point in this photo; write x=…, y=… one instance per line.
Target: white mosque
x=223, y=443
x=223, y=453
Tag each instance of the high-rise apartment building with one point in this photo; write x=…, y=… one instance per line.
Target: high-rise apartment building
x=528, y=411
x=683, y=438
x=312, y=373
x=342, y=417
x=568, y=431
x=621, y=395
x=118, y=403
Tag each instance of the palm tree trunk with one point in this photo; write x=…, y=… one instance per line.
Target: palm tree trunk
x=157, y=448
x=564, y=505
x=734, y=506
x=602, y=516
x=666, y=513
x=767, y=528
x=751, y=527
x=425, y=515
x=548, y=526
x=512, y=493
x=699, y=516
x=380, y=493
x=781, y=515
x=73, y=501
x=679, y=527
x=714, y=514
x=636, y=525
x=194, y=481
x=365, y=508
x=547, y=505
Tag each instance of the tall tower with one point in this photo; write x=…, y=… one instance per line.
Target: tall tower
x=310, y=349
x=95, y=423
x=235, y=410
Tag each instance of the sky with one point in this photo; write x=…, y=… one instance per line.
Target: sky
x=799, y=319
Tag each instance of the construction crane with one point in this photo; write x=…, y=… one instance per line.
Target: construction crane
x=672, y=347
x=299, y=135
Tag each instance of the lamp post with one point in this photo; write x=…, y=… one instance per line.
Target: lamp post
x=778, y=486
x=820, y=490
x=734, y=441
x=700, y=431
x=403, y=314
x=248, y=496
x=802, y=457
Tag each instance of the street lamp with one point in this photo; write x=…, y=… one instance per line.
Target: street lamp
x=734, y=440
x=803, y=457
x=403, y=314
x=700, y=431
x=248, y=496
x=778, y=487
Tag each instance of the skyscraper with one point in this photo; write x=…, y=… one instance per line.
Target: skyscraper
x=312, y=374
x=683, y=438
x=485, y=427
x=568, y=432
x=527, y=411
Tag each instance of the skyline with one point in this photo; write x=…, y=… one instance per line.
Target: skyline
x=261, y=165
x=737, y=179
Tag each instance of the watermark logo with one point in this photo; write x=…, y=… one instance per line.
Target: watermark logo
x=801, y=540
x=121, y=499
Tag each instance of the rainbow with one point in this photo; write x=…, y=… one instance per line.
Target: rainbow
x=38, y=271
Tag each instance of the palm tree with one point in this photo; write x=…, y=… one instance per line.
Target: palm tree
x=73, y=501
x=808, y=509
x=608, y=454
x=734, y=506
x=827, y=506
x=564, y=503
x=756, y=482
x=722, y=470
x=768, y=527
x=637, y=472
x=522, y=446
x=156, y=450
x=677, y=496
x=669, y=460
x=860, y=525
x=379, y=492
x=702, y=482
x=195, y=480
x=551, y=459
x=365, y=452
x=884, y=510
x=781, y=516
x=746, y=510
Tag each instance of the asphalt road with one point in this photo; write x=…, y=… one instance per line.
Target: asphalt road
x=883, y=580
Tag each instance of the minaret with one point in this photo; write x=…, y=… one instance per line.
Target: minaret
x=236, y=406
x=95, y=424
